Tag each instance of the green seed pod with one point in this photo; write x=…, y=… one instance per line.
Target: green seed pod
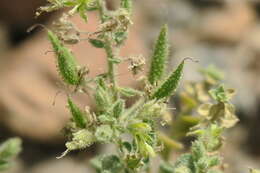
x=159, y=58
x=78, y=116
x=66, y=63
x=170, y=85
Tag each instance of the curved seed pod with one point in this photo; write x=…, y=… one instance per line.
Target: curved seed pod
x=159, y=58
x=170, y=84
x=66, y=62
x=78, y=116
x=127, y=4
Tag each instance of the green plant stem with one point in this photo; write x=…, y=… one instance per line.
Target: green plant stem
x=110, y=55
x=102, y=9
x=110, y=50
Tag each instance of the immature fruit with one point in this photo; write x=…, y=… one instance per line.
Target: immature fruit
x=170, y=84
x=66, y=62
x=78, y=116
x=159, y=58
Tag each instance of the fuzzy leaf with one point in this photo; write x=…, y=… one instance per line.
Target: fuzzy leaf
x=221, y=94
x=66, y=62
x=159, y=58
x=82, y=12
x=166, y=168
x=127, y=4
x=213, y=72
x=78, y=116
x=118, y=108
x=8, y=150
x=104, y=133
x=97, y=43
x=129, y=92
x=170, y=85
x=120, y=37
x=112, y=164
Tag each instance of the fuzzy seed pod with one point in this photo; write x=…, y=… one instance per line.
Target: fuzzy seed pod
x=66, y=62
x=170, y=84
x=78, y=116
x=159, y=58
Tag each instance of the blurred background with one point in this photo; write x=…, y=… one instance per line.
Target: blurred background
x=225, y=33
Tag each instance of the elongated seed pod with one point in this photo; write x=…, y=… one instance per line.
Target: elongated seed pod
x=66, y=62
x=170, y=85
x=159, y=58
x=78, y=116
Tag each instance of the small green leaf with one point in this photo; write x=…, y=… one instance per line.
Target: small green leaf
x=118, y=108
x=129, y=92
x=112, y=163
x=120, y=37
x=66, y=62
x=159, y=58
x=166, y=168
x=213, y=72
x=104, y=133
x=170, y=84
x=78, y=116
x=127, y=146
x=221, y=94
x=82, y=13
x=97, y=43
x=103, y=98
x=127, y=4
x=140, y=127
x=8, y=150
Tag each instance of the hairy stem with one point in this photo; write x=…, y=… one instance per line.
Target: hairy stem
x=111, y=52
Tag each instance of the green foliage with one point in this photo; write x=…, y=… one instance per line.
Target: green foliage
x=159, y=58
x=97, y=43
x=8, y=151
x=212, y=74
x=254, y=170
x=203, y=156
x=129, y=92
x=127, y=4
x=104, y=133
x=78, y=6
x=205, y=110
x=221, y=95
x=108, y=164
